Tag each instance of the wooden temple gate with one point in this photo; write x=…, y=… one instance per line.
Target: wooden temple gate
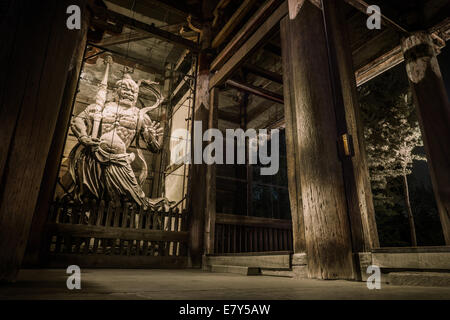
x=110, y=234
x=333, y=219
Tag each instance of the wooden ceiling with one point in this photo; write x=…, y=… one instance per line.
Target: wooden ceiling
x=374, y=51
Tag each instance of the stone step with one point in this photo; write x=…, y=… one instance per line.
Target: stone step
x=297, y=272
x=424, y=279
x=431, y=260
x=257, y=260
x=277, y=273
x=246, y=271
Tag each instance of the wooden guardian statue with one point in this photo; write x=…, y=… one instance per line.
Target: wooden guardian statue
x=100, y=164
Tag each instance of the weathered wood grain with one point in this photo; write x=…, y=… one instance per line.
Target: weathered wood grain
x=327, y=230
x=433, y=109
x=30, y=101
x=115, y=233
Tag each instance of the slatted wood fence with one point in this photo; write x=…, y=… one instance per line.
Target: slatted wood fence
x=236, y=234
x=110, y=234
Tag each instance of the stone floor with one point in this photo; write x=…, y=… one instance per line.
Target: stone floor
x=197, y=285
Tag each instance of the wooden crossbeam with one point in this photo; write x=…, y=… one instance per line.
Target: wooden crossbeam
x=234, y=21
x=361, y=5
x=270, y=75
x=395, y=56
x=250, y=27
x=249, y=47
x=252, y=221
x=124, y=38
x=150, y=29
x=130, y=61
x=135, y=36
x=84, y=231
x=381, y=64
x=256, y=91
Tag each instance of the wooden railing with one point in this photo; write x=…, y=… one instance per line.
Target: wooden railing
x=100, y=234
x=236, y=234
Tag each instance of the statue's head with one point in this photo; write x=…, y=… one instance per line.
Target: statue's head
x=127, y=91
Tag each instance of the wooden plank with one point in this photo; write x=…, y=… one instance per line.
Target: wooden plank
x=198, y=172
x=232, y=23
x=252, y=221
x=420, y=260
x=286, y=240
x=266, y=240
x=141, y=218
x=36, y=248
x=358, y=189
x=261, y=92
x=86, y=246
x=229, y=235
x=387, y=53
x=379, y=65
x=257, y=259
x=267, y=74
x=117, y=261
x=260, y=239
x=29, y=27
x=131, y=62
x=362, y=6
x=249, y=47
x=222, y=239
x=234, y=238
x=276, y=245
x=115, y=233
x=109, y=213
x=250, y=27
x=101, y=209
x=129, y=246
x=412, y=249
x=210, y=210
x=216, y=238
x=125, y=215
x=92, y=212
x=292, y=146
x=117, y=213
x=271, y=241
x=327, y=231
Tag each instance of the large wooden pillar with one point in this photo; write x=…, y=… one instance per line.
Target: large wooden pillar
x=292, y=135
x=312, y=120
x=198, y=185
x=433, y=110
x=210, y=207
x=35, y=252
x=36, y=54
x=349, y=124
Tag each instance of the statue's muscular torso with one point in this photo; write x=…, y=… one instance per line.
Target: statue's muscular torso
x=118, y=127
